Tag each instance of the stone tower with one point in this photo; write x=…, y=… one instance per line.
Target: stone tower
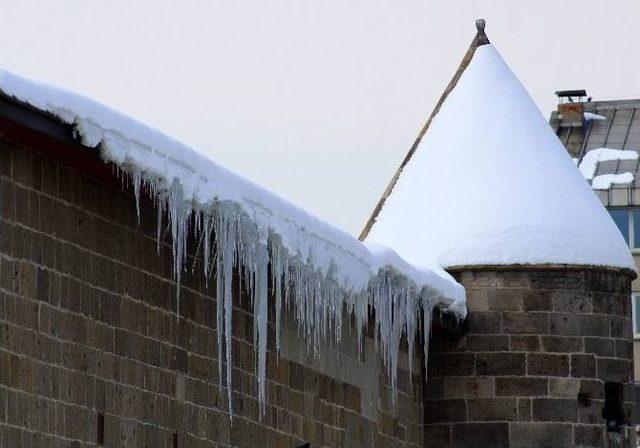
x=544, y=358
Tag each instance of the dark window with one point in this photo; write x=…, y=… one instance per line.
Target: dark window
x=613, y=412
x=635, y=218
x=635, y=308
x=621, y=218
x=175, y=440
x=100, y=430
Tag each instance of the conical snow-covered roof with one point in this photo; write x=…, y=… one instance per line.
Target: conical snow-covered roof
x=491, y=184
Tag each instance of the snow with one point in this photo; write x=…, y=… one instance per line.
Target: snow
x=316, y=269
x=589, y=163
x=491, y=184
x=605, y=181
x=591, y=116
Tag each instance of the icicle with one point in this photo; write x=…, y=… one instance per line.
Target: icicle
x=136, y=178
x=260, y=310
x=278, y=271
x=229, y=239
x=179, y=218
x=427, y=311
x=160, y=205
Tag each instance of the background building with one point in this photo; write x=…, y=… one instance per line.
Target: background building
x=596, y=127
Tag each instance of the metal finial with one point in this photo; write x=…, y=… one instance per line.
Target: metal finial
x=481, y=36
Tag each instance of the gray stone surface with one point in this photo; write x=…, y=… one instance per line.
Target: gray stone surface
x=539, y=345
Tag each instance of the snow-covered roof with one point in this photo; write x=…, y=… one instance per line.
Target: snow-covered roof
x=591, y=116
x=139, y=148
x=490, y=184
x=606, y=181
x=322, y=267
x=592, y=158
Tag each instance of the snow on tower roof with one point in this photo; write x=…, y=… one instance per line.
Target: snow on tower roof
x=490, y=184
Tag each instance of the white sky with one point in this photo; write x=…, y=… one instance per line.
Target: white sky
x=316, y=100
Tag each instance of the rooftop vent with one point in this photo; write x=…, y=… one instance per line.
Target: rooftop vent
x=571, y=94
x=571, y=107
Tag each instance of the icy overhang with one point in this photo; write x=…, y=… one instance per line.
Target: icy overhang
x=491, y=184
x=319, y=269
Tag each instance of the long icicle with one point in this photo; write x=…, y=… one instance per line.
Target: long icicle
x=230, y=239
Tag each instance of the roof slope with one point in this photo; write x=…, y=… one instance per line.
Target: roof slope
x=490, y=184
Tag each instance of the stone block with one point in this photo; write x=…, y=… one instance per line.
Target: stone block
x=589, y=436
x=614, y=370
x=487, y=343
x=493, y=409
x=591, y=413
x=572, y=301
x=434, y=389
x=474, y=435
x=563, y=324
x=449, y=343
x=507, y=299
x=524, y=409
x=590, y=389
x=593, y=325
x=477, y=279
x=583, y=366
x=623, y=349
x=620, y=327
x=539, y=364
x=524, y=343
x=599, y=346
x=564, y=387
x=521, y=386
x=540, y=435
x=435, y=436
x=468, y=387
x=513, y=279
x=500, y=364
x=562, y=344
x=445, y=411
x=478, y=299
x=27, y=280
x=525, y=323
x=537, y=300
x=485, y=322
x=451, y=364
x=557, y=279
x=555, y=410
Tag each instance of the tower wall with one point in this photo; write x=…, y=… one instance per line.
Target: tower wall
x=531, y=367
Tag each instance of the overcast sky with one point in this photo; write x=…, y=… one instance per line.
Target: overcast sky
x=316, y=100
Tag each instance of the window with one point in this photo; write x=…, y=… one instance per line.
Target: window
x=628, y=222
x=100, y=430
x=635, y=219
x=635, y=312
x=622, y=217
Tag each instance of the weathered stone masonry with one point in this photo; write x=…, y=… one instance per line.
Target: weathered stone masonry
x=531, y=368
x=88, y=332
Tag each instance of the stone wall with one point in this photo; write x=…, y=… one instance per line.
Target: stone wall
x=89, y=335
x=531, y=369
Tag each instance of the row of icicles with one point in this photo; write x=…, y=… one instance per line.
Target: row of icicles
x=227, y=238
